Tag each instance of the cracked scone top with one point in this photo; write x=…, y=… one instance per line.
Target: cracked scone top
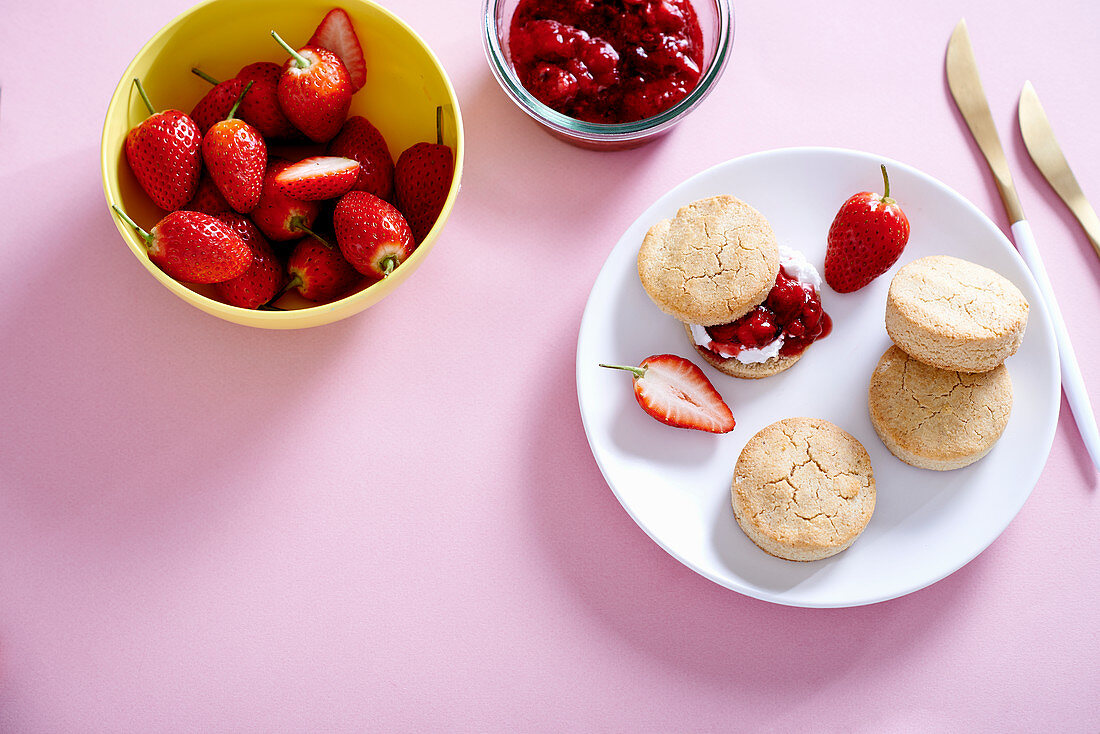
x=711, y=263
x=803, y=489
x=937, y=419
x=954, y=314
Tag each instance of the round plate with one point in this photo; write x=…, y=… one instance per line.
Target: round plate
x=676, y=483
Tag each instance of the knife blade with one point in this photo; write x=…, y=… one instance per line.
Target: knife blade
x=966, y=89
x=1044, y=150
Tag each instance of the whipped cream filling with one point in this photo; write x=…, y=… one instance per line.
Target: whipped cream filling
x=798, y=267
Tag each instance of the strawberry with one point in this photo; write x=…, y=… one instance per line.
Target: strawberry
x=194, y=247
x=314, y=91
x=261, y=71
x=215, y=104
x=319, y=177
x=236, y=156
x=164, y=153
x=359, y=140
x=422, y=180
x=264, y=276
x=207, y=198
x=337, y=34
x=259, y=108
x=278, y=216
x=318, y=271
x=372, y=234
x=677, y=393
x=866, y=238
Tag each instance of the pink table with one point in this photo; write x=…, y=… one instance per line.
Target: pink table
x=395, y=523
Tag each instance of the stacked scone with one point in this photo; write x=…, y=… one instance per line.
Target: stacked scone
x=940, y=398
x=750, y=306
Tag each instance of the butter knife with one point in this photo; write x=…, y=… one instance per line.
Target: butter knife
x=1047, y=154
x=966, y=88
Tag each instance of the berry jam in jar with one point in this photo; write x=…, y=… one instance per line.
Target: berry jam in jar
x=792, y=312
x=607, y=61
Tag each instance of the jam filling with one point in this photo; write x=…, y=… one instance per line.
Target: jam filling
x=792, y=310
x=607, y=61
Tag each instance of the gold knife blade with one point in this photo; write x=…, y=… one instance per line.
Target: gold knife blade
x=966, y=88
x=1051, y=162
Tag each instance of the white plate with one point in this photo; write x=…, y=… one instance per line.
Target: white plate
x=676, y=483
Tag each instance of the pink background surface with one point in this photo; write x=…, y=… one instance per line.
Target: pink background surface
x=395, y=522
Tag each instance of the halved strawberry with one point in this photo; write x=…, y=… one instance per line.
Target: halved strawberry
x=319, y=177
x=279, y=216
x=360, y=140
x=677, y=393
x=337, y=34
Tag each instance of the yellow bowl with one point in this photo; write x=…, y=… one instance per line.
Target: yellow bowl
x=405, y=84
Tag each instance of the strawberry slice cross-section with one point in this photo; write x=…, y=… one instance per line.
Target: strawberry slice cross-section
x=677, y=393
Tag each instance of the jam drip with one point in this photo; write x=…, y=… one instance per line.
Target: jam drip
x=792, y=310
x=607, y=61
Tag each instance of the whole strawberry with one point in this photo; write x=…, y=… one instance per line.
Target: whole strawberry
x=163, y=151
x=361, y=141
x=318, y=271
x=259, y=108
x=264, y=276
x=194, y=247
x=372, y=234
x=677, y=393
x=866, y=238
x=261, y=71
x=207, y=198
x=215, y=104
x=279, y=216
x=314, y=91
x=422, y=180
x=236, y=157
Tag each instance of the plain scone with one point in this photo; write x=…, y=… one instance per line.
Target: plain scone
x=711, y=263
x=803, y=489
x=954, y=314
x=937, y=419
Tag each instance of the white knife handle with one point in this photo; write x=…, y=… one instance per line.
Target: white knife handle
x=1072, y=382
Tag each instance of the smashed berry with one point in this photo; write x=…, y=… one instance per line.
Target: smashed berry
x=629, y=59
x=791, y=310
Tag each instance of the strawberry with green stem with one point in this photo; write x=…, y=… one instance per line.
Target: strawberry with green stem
x=318, y=271
x=194, y=247
x=259, y=107
x=422, y=179
x=866, y=237
x=164, y=152
x=372, y=234
x=236, y=157
x=314, y=91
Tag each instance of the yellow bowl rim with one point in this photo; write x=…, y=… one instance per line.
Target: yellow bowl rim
x=311, y=315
